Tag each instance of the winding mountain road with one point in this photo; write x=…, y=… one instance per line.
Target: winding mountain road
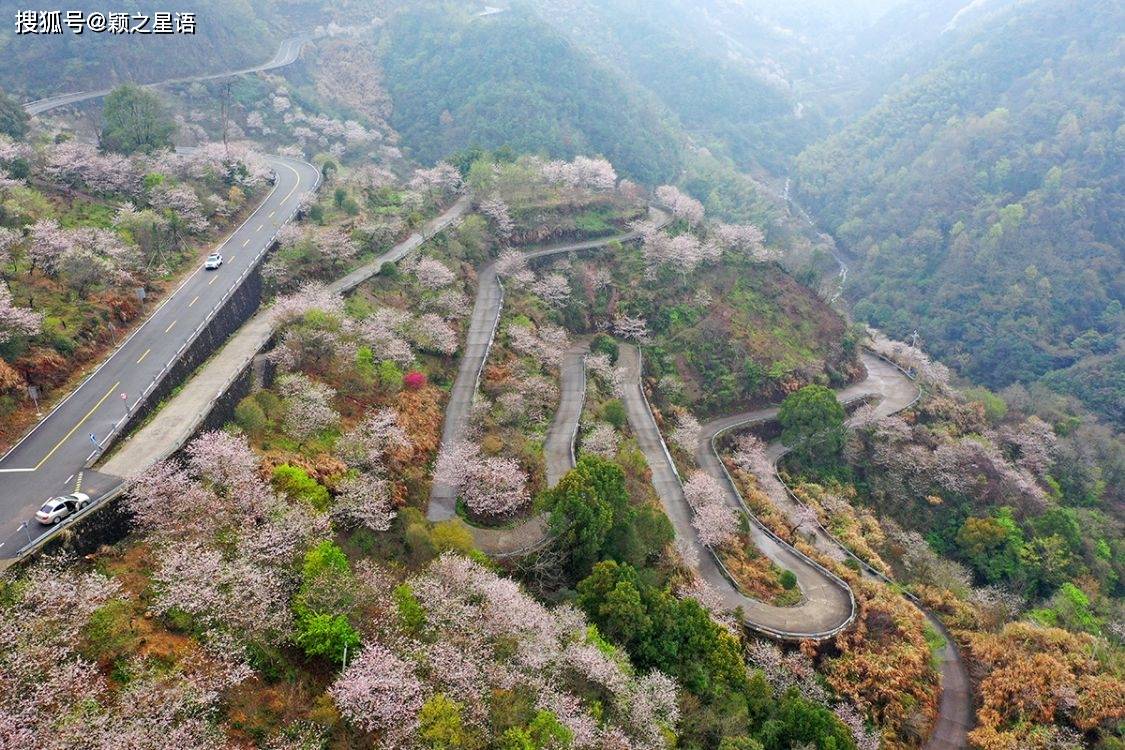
x=892, y=392
x=558, y=447
x=53, y=457
x=827, y=605
x=482, y=330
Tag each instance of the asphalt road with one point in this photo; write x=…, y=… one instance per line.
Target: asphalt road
x=50, y=459
x=287, y=54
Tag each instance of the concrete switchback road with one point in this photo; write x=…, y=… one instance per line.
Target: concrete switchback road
x=826, y=606
x=482, y=329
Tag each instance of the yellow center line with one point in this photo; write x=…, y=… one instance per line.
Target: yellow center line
x=82, y=421
x=260, y=227
x=212, y=281
x=169, y=328
x=142, y=359
x=272, y=213
x=232, y=258
x=247, y=242
x=193, y=301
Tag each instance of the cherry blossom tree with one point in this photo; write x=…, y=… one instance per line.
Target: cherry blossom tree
x=687, y=432
x=367, y=444
x=336, y=247
x=601, y=440
x=631, y=327
x=430, y=332
x=314, y=295
x=714, y=519
x=16, y=321
x=383, y=331
x=743, y=238
x=450, y=304
x=233, y=595
x=554, y=289
x=491, y=486
x=750, y=456
x=496, y=487
x=497, y=212
x=710, y=599
x=49, y=243
x=443, y=180
x=379, y=692
x=433, y=274
x=681, y=205
x=452, y=465
x=365, y=500
x=865, y=739
x=9, y=238
x=308, y=405
x=182, y=205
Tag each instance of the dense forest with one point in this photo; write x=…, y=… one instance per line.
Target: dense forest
x=984, y=198
x=229, y=33
x=512, y=81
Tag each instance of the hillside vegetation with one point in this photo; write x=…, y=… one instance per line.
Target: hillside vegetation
x=510, y=80
x=984, y=199
x=229, y=34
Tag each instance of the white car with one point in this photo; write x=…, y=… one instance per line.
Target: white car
x=58, y=508
x=214, y=260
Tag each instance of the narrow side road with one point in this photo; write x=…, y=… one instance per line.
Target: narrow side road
x=558, y=447
x=558, y=451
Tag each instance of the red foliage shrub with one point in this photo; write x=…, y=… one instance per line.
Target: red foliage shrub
x=414, y=380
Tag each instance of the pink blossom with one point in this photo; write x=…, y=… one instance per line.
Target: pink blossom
x=450, y=304
x=681, y=205
x=367, y=444
x=432, y=274
x=383, y=330
x=865, y=739
x=630, y=327
x=308, y=405
x=365, y=500
x=182, y=202
x=312, y=296
x=554, y=289
x=496, y=486
x=429, y=332
x=713, y=518
x=687, y=432
x=443, y=179
x=336, y=246
x=743, y=238
x=379, y=692
x=601, y=440
x=223, y=593
x=497, y=212
x=16, y=321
